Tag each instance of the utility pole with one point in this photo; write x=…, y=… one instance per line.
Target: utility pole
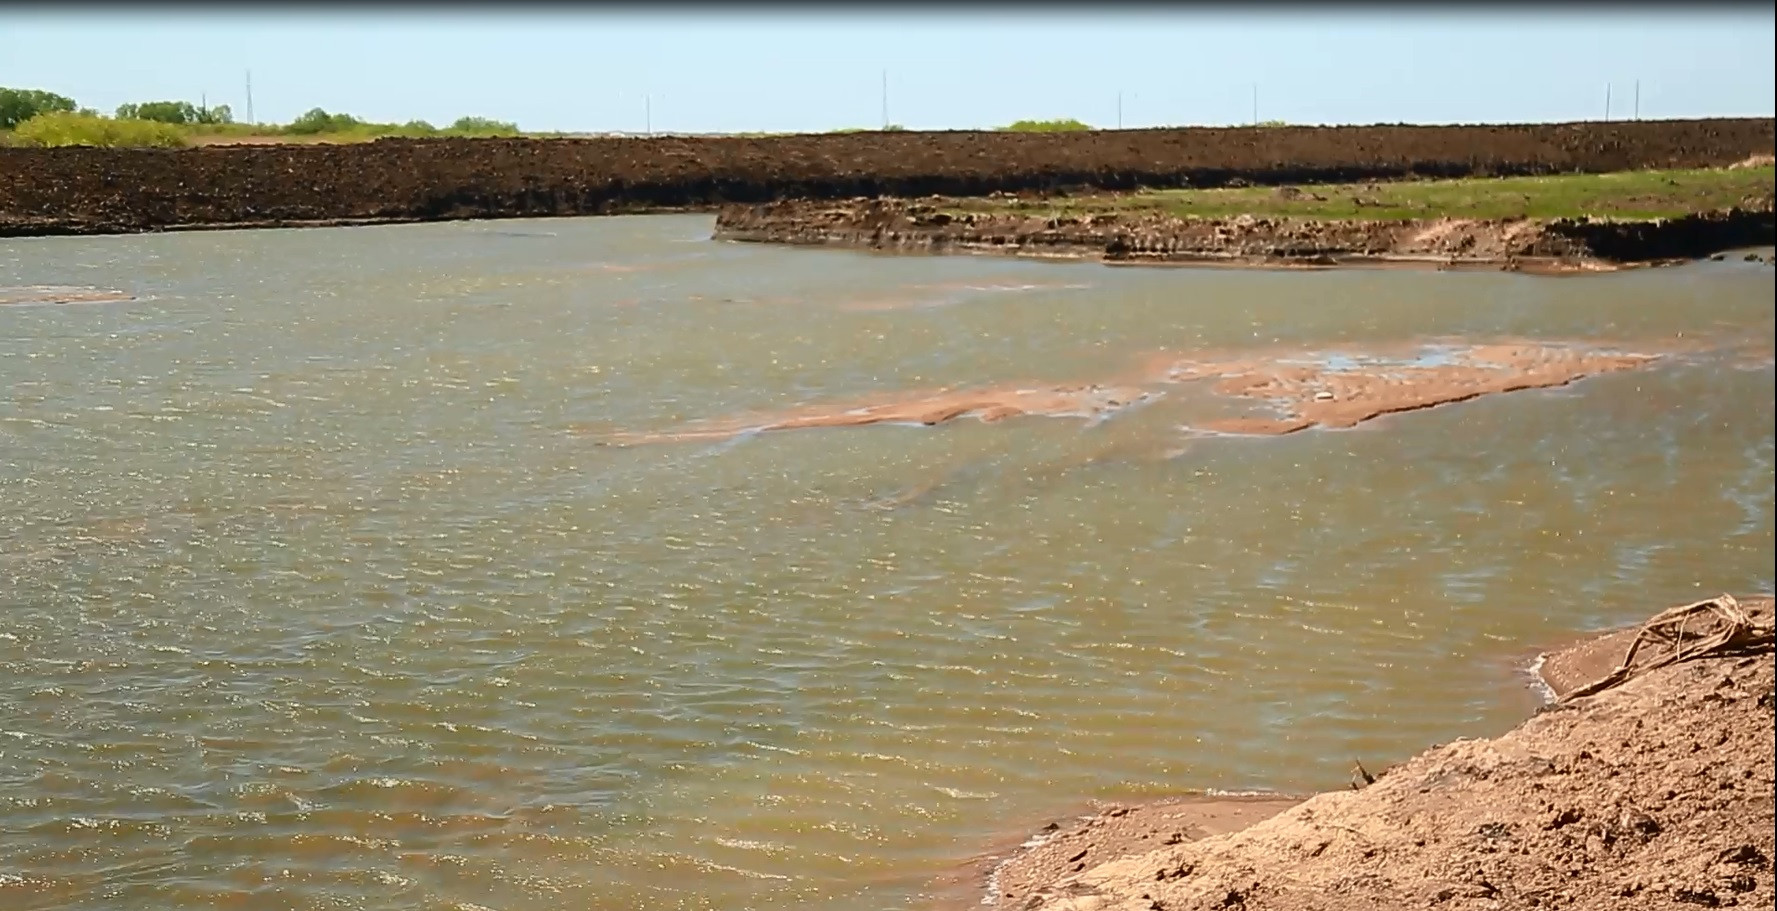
x=250, y=97
x=885, y=119
x=1607, y=102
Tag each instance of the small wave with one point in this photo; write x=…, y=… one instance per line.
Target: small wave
x=750, y=874
x=1534, y=671
x=776, y=749
x=1245, y=792
x=959, y=794
x=748, y=844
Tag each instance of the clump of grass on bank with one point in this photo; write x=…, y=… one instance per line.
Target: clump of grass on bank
x=1046, y=126
x=72, y=128
x=1626, y=195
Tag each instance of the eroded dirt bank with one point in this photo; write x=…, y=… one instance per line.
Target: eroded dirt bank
x=86, y=191
x=1656, y=793
x=1524, y=244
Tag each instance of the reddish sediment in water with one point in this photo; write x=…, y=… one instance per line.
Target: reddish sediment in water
x=1341, y=389
x=59, y=294
x=928, y=408
x=1296, y=390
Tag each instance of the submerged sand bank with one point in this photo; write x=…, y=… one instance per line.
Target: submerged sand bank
x=1656, y=793
x=29, y=295
x=1273, y=391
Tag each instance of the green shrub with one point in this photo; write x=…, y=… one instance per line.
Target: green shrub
x=317, y=120
x=481, y=126
x=20, y=105
x=1046, y=126
x=64, y=128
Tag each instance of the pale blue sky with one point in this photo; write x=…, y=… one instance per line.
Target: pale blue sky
x=819, y=68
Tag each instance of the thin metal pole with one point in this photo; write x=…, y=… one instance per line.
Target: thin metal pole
x=648, y=113
x=250, y=97
x=1255, y=104
x=885, y=119
x=1637, y=99
x=1607, y=102
x=1119, y=110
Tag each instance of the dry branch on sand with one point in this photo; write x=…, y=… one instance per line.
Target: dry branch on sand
x=1726, y=629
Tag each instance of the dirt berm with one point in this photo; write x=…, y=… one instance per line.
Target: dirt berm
x=1527, y=244
x=1654, y=792
x=87, y=191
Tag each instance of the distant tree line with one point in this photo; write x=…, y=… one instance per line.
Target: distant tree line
x=20, y=105
x=37, y=117
x=179, y=113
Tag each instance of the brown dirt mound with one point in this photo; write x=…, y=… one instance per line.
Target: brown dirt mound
x=83, y=190
x=1655, y=793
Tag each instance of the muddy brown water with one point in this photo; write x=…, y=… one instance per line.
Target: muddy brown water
x=319, y=589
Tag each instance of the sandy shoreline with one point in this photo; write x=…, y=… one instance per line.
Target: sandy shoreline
x=1162, y=854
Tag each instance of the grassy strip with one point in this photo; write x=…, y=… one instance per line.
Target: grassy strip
x=1627, y=195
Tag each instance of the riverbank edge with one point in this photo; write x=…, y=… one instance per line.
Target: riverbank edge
x=1563, y=246
x=17, y=228
x=1027, y=872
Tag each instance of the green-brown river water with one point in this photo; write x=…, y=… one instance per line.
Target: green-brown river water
x=317, y=589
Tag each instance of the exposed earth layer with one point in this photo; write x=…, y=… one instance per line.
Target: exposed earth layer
x=93, y=191
x=1564, y=245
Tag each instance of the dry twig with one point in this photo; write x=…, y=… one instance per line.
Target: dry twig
x=1737, y=633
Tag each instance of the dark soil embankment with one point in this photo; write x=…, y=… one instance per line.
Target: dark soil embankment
x=1554, y=245
x=86, y=191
